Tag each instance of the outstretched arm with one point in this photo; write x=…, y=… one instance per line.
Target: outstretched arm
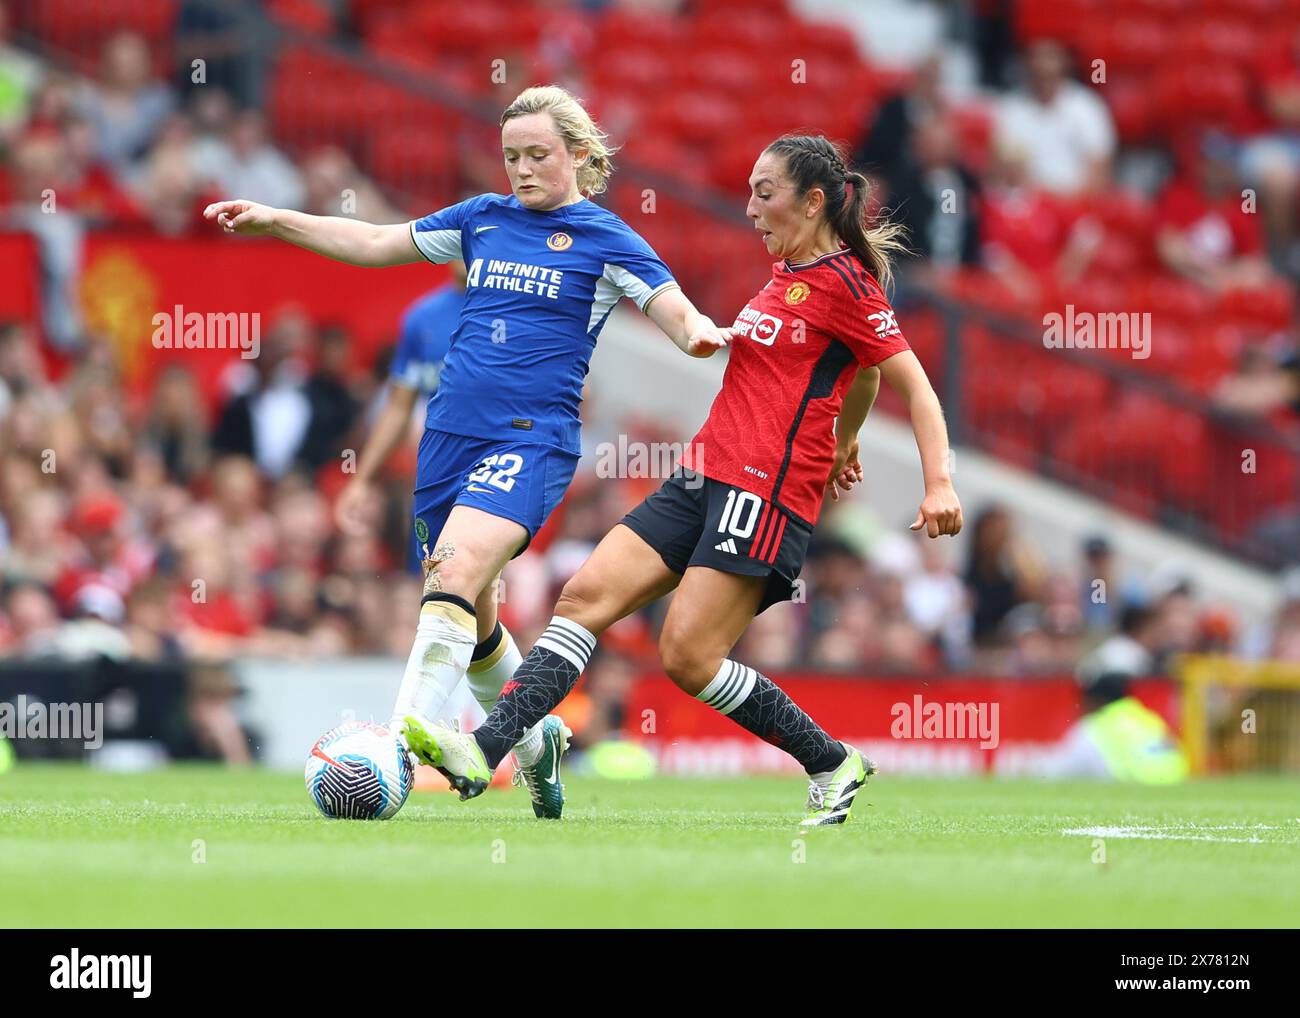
x=344, y=240
x=940, y=511
x=693, y=332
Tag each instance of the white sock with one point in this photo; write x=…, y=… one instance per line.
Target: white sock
x=489, y=673
x=444, y=642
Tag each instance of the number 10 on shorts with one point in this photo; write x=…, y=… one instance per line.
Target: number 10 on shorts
x=740, y=513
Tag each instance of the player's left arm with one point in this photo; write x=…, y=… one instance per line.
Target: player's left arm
x=692, y=332
x=940, y=511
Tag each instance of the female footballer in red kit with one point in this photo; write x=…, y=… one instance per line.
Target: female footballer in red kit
x=729, y=530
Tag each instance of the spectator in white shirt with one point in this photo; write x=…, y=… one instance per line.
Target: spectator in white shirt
x=247, y=164
x=1062, y=128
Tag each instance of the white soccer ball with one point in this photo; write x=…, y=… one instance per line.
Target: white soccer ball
x=359, y=771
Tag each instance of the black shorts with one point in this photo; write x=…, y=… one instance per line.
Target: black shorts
x=696, y=521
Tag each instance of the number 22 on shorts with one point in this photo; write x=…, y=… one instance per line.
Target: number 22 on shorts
x=506, y=465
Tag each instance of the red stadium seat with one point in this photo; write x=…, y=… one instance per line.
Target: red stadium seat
x=1168, y=298
x=79, y=29
x=317, y=100
x=1058, y=20
x=1131, y=105
x=1211, y=41
x=758, y=31
x=974, y=126
x=423, y=161
x=1207, y=95
x=1257, y=12
x=1168, y=11
x=1263, y=476
x=1210, y=356
x=1128, y=44
x=739, y=8
x=1270, y=309
x=727, y=71
x=1122, y=211
x=618, y=30
x=303, y=15
x=643, y=69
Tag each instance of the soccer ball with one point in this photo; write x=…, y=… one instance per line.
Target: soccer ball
x=359, y=771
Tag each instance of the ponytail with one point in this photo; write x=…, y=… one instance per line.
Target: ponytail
x=812, y=161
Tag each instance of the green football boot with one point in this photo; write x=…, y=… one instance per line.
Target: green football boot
x=831, y=801
x=453, y=754
x=542, y=779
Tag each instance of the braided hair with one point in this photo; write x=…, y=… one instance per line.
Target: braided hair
x=812, y=160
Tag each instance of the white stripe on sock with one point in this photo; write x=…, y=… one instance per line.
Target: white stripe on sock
x=576, y=631
x=730, y=687
x=570, y=640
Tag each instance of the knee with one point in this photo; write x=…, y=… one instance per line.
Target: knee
x=687, y=662
x=447, y=572
x=581, y=601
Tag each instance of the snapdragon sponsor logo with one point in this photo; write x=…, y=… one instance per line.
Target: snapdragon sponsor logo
x=1107, y=330
x=961, y=721
x=36, y=719
x=179, y=329
x=77, y=971
x=623, y=459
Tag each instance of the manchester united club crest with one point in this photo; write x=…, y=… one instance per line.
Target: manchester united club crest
x=797, y=294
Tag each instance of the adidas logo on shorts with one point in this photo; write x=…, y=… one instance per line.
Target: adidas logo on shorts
x=727, y=545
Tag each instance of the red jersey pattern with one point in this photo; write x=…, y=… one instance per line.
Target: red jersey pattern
x=799, y=342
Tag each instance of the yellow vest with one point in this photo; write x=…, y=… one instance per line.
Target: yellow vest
x=1136, y=743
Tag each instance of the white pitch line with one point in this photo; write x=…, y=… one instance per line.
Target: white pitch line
x=1158, y=834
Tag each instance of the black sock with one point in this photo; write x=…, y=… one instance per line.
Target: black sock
x=545, y=677
x=759, y=705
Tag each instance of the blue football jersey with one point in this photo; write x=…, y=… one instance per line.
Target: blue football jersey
x=427, y=327
x=540, y=288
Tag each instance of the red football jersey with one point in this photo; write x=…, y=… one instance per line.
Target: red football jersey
x=799, y=342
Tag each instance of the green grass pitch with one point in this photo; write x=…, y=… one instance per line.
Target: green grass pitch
x=84, y=848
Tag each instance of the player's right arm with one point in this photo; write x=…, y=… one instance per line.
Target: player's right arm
x=344, y=240
x=846, y=470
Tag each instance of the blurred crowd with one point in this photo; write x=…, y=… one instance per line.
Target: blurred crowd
x=1029, y=200
x=143, y=529
x=172, y=535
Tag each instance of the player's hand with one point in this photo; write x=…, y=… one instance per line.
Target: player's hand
x=940, y=511
x=240, y=216
x=707, y=341
x=350, y=509
x=846, y=471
